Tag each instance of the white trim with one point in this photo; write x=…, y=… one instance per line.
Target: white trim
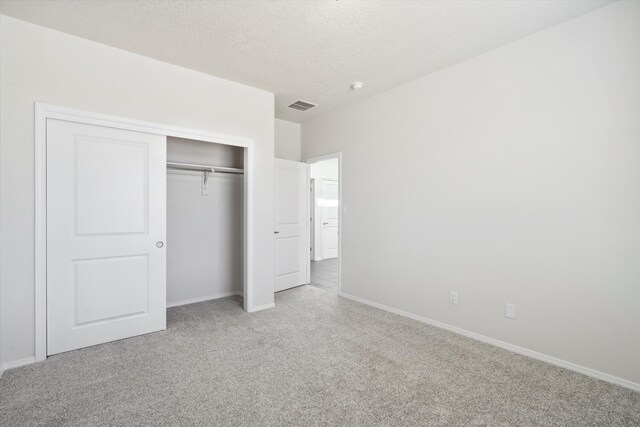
x=248, y=230
x=47, y=111
x=308, y=210
x=40, y=265
x=202, y=299
x=311, y=196
x=316, y=159
x=262, y=307
x=502, y=344
x=18, y=363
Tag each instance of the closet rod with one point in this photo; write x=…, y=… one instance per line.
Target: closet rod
x=204, y=168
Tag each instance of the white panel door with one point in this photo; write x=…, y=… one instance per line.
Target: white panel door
x=106, y=226
x=292, y=248
x=329, y=217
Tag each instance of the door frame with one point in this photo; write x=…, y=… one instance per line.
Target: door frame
x=316, y=159
x=312, y=219
x=43, y=112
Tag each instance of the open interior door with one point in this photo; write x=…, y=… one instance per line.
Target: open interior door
x=291, y=235
x=329, y=212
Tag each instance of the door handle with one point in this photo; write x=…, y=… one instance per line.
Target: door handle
x=159, y=243
x=325, y=223
x=276, y=232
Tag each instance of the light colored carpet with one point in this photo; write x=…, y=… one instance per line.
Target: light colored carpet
x=316, y=359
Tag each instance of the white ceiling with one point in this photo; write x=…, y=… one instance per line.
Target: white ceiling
x=310, y=50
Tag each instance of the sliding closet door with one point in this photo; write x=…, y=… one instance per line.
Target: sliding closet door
x=106, y=262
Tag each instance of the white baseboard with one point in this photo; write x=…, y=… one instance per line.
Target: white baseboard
x=502, y=344
x=201, y=299
x=18, y=363
x=261, y=307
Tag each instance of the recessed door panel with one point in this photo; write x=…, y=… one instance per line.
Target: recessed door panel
x=106, y=227
x=289, y=195
x=111, y=174
x=111, y=288
x=288, y=250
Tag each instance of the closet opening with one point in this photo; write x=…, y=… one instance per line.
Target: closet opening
x=205, y=221
x=133, y=217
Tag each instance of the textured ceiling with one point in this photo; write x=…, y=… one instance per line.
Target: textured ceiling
x=310, y=50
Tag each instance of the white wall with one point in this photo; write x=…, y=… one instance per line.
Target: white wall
x=327, y=169
x=1, y=363
x=287, y=140
x=205, y=236
x=38, y=64
x=511, y=177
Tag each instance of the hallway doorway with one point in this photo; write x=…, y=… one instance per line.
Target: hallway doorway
x=325, y=221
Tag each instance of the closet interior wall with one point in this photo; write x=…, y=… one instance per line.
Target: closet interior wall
x=205, y=233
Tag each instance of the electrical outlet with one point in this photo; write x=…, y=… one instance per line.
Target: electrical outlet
x=453, y=297
x=510, y=311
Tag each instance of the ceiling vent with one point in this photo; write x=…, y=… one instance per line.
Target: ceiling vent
x=302, y=105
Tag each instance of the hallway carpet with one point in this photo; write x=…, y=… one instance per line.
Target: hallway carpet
x=315, y=359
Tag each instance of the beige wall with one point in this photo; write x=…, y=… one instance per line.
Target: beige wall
x=287, y=140
x=42, y=65
x=511, y=177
